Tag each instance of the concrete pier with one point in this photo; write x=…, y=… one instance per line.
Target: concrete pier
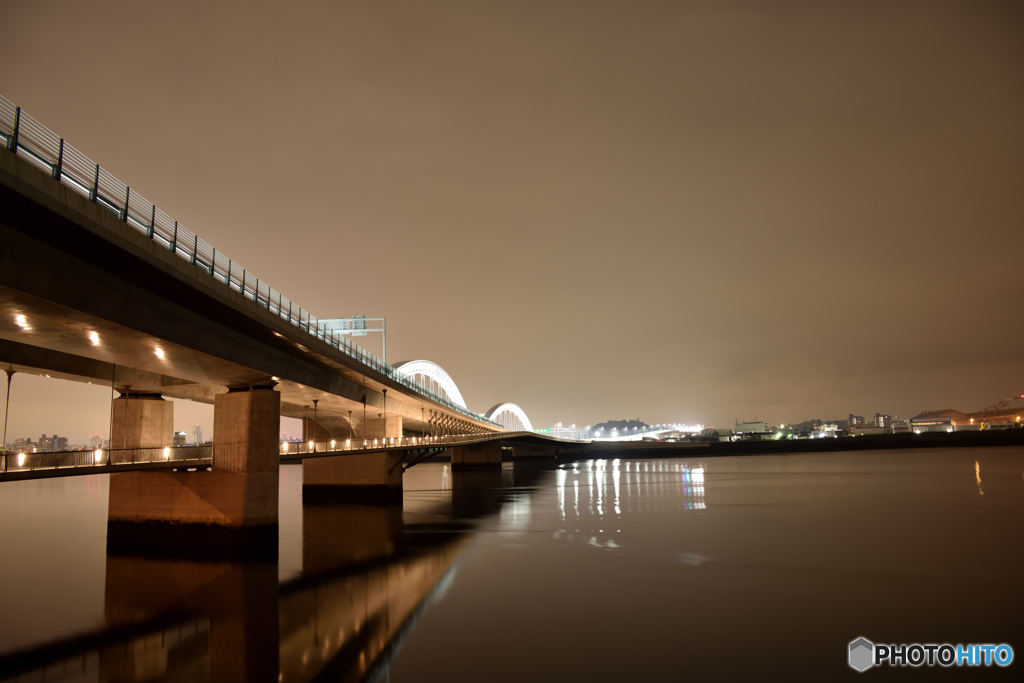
x=527, y=453
x=356, y=477
x=241, y=490
x=486, y=454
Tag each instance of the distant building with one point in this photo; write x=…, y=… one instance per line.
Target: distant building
x=826, y=430
x=197, y=435
x=1007, y=413
x=179, y=439
x=883, y=420
x=751, y=428
x=937, y=423
x=944, y=420
x=715, y=434
x=95, y=441
x=855, y=420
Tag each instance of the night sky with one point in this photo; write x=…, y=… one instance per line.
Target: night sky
x=673, y=211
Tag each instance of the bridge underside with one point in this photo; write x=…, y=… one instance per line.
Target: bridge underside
x=59, y=344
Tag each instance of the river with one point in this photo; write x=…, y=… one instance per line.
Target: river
x=601, y=570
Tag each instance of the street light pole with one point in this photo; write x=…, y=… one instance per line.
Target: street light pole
x=313, y=429
x=7, y=410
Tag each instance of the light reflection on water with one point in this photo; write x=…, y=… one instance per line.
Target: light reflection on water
x=677, y=484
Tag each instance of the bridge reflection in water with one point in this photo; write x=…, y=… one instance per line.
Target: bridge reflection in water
x=181, y=615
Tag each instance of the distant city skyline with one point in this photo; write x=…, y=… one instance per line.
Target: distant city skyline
x=32, y=418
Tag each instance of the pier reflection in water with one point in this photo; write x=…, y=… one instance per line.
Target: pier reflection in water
x=175, y=613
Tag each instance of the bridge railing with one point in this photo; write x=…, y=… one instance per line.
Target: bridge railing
x=27, y=137
x=343, y=445
x=56, y=460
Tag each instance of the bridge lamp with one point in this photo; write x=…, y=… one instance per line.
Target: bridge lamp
x=159, y=353
x=94, y=338
x=311, y=445
x=332, y=444
x=284, y=446
x=98, y=455
x=21, y=322
x=167, y=453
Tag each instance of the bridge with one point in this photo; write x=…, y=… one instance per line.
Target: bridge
x=99, y=285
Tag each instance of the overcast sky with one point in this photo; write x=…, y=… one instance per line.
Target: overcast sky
x=673, y=211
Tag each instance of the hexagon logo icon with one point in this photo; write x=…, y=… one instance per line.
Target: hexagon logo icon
x=862, y=654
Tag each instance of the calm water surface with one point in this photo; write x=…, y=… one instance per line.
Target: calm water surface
x=602, y=570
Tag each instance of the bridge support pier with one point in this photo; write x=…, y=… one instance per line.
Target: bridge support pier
x=369, y=477
x=523, y=454
x=142, y=421
x=239, y=493
x=476, y=455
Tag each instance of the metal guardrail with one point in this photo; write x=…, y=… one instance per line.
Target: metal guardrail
x=103, y=460
x=26, y=137
x=58, y=460
x=294, y=449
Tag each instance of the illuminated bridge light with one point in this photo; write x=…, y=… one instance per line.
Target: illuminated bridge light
x=94, y=338
x=98, y=455
x=21, y=322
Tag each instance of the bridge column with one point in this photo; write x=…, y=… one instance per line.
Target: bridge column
x=385, y=427
x=523, y=454
x=486, y=454
x=241, y=490
x=142, y=421
x=356, y=477
x=314, y=431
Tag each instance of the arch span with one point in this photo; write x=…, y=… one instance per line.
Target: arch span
x=507, y=413
x=436, y=374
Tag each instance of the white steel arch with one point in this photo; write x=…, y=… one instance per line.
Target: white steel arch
x=506, y=411
x=436, y=374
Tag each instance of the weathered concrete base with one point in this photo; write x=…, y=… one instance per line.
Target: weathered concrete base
x=240, y=492
x=228, y=499
x=362, y=477
x=163, y=540
x=477, y=455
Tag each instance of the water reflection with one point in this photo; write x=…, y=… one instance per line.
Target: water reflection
x=175, y=613
x=611, y=488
